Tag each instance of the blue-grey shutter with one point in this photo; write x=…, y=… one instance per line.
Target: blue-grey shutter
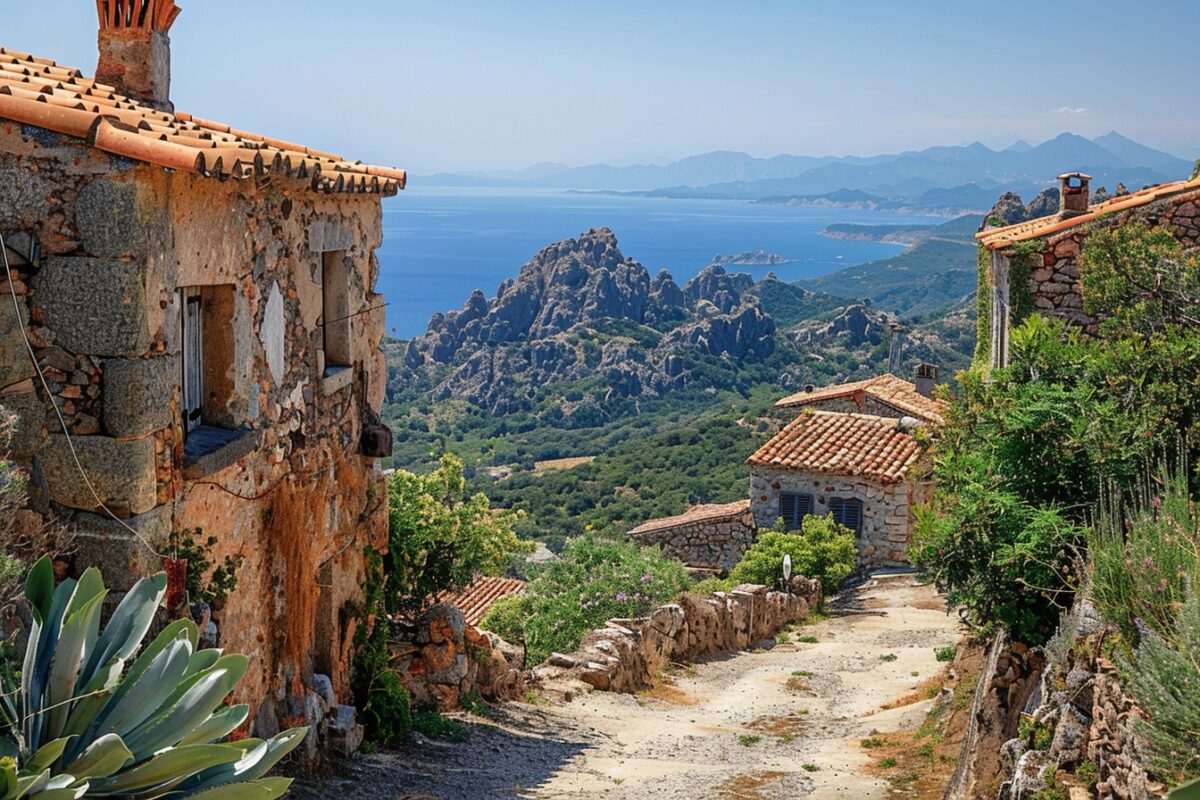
x=847, y=511
x=787, y=509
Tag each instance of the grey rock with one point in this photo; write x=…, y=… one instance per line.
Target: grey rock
x=94, y=306
x=107, y=220
x=122, y=557
x=1045, y=204
x=14, y=357
x=122, y=473
x=137, y=394
x=718, y=287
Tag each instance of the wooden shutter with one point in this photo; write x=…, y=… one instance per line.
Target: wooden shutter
x=794, y=508
x=193, y=360
x=787, y=509
x=847, y=511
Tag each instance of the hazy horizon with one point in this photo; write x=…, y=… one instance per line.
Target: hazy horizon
x=469, y=87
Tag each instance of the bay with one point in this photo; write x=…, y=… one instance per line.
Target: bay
x=441, y=243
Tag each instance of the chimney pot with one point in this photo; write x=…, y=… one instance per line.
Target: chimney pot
x=925, y=377
x=135, y=50
x=1073, y=195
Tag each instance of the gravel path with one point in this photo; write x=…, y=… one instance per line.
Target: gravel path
x=780, y=723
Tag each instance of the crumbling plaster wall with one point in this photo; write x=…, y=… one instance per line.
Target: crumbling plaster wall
x=118, y=238
x=887, y=509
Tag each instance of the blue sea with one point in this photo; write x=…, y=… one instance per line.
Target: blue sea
x=440, y=244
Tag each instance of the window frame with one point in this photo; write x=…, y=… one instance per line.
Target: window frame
x=336, y=340
x=837, y=510
x=800, y=501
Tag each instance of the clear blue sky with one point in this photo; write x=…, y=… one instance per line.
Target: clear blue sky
x=452, y=85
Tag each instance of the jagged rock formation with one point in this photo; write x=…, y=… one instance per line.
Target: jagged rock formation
x=856, y=325
x=566, y=316
x=1045, y=204
x=1008, y=210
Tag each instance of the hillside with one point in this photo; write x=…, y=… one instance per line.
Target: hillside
x=935, y=274
x=584, y=354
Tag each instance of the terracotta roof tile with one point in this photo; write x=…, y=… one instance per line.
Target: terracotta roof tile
x=694, y=514
x=841, y=444
x=39, y=92
x=476, y=599
x=896, y=392
x=999, y=238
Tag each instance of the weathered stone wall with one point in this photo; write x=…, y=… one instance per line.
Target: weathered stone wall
x=1054, y=276
x=716, y=544
x=442, y=659
x=627, y=654
x=1083, y=704
x=294, y=497
x=887, y=508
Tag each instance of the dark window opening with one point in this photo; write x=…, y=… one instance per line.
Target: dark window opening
x=206, y=349
x=847, y=511
x=793, y=508
x=335, y=310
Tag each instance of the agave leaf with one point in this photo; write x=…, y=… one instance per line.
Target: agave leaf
x=195, y=706
x=77, y=635
x=254, y=764
x=218, y=726
x=265, y=789
x=145, y=693
x=235, y=663
x=128, y=625
x=63, y=793
x=202, y=660
x=39, y=587
x=94, y=697
x=45, y=757
x=47, y=646
x=1188, y=791
x=31, y=784
x=165, y=770
x=102, y=758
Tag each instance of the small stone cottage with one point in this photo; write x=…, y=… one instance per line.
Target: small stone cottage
x=1034, y=266
x=201, y=305
x=850, y=450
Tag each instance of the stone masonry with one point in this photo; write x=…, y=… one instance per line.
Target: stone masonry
x=711, y=537
x=887, y=508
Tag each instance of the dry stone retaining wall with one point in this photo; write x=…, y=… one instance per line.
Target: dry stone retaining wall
x=627, y=654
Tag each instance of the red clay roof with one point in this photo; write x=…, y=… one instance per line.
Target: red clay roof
x=36, y=91
x=694, y=514
x=999, y=238
x=476, y=599
x=889, y=389
x=841, y=444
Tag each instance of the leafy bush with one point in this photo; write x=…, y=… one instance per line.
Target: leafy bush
x=382, y=701
x=594, y=579
x=440, y=537
x=823, y=549
x=91, y=720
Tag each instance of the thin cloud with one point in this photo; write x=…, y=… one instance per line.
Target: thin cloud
x=1069, y=110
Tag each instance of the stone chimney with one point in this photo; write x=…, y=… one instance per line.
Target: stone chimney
x=925, y=377
x=135, y=51
x=1072, y=194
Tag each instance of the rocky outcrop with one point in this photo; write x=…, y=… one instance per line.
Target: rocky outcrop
x=856, y=325
x=627, y=654
x=562, y=318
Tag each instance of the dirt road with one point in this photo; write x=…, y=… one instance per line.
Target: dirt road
x=784, y=722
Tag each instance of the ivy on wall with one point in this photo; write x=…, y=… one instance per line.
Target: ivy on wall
x=1023, y=259
x=983, y=310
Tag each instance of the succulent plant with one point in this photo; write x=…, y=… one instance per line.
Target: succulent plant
x=95, y=717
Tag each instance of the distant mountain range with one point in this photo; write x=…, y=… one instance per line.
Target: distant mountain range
x=950, y=179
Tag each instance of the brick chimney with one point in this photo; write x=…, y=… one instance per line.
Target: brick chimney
x=925, y=378
x=1072, y=194
x=135, y=51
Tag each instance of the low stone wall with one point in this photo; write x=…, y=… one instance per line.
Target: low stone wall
x=627, y=654
x=1082, y=702
x=708, y=537
x=442, y=659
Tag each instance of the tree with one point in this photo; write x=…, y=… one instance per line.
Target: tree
x=440, y=537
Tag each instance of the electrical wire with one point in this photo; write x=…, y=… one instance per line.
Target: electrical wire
x=61, y=421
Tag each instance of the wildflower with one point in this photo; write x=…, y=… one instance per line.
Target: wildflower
x=621, y=597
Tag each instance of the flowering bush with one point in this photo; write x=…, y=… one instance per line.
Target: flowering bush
x=594, y=579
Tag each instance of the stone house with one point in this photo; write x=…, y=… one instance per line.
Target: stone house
x=706, y=537
x=864, y=470
x=1034, y=266
x=851, y=450
x=201, y=304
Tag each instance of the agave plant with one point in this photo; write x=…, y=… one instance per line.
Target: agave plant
x=94, y=717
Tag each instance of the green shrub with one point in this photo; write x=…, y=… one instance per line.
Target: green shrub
x=710, y=585
x=594, y=579
x=823, y=549
x=946, y=653
x=98, y=715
